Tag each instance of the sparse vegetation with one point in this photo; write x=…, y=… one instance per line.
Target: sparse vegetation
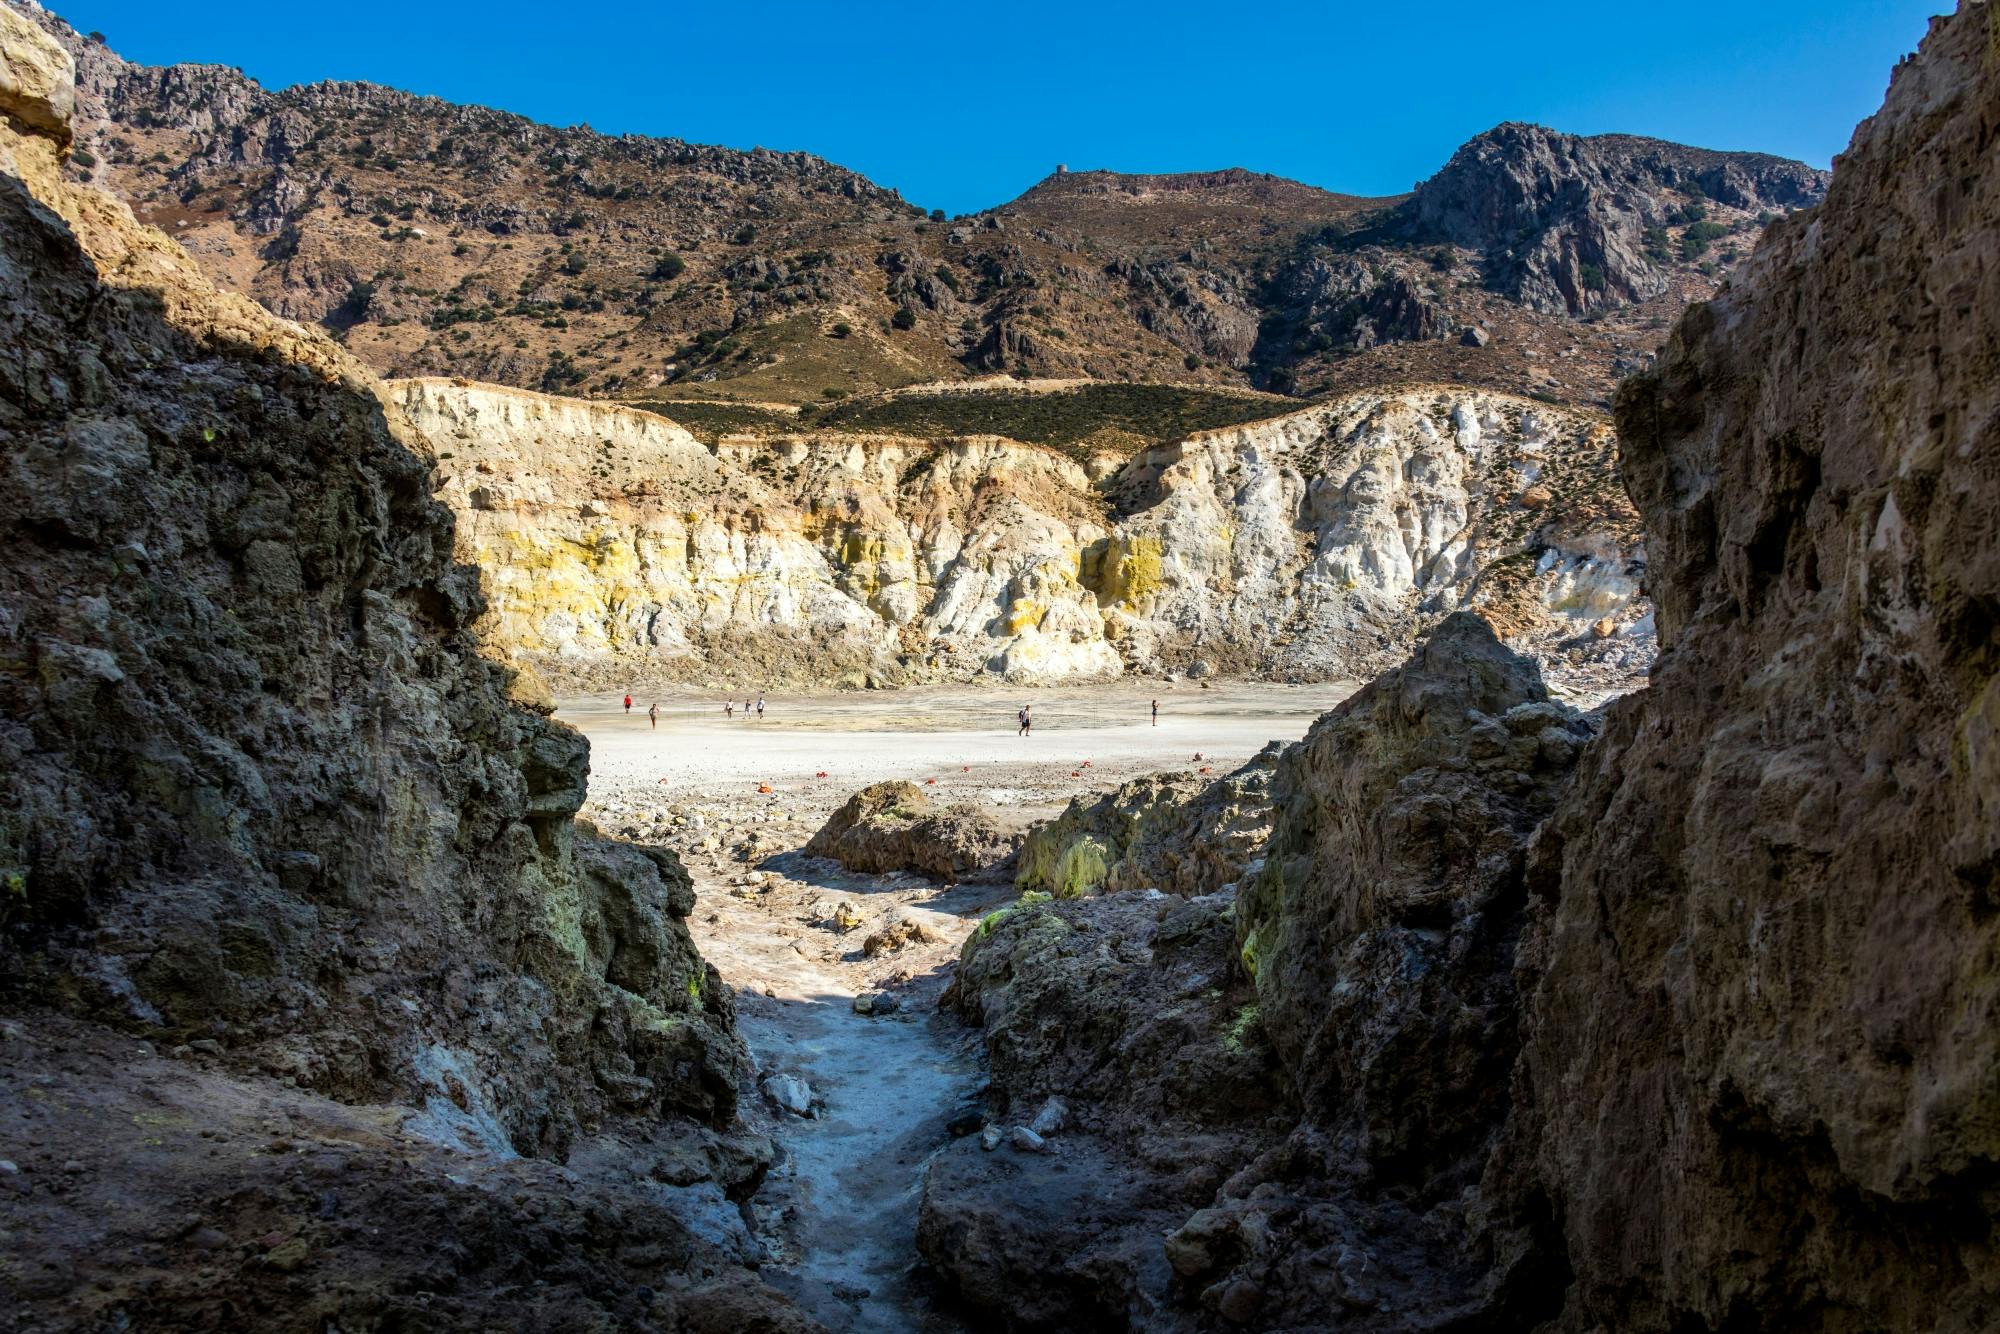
x=1697, y=238
x=1131, y=412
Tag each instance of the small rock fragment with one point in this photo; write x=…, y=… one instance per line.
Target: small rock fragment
x=1051, y=1120
x=788, y=1092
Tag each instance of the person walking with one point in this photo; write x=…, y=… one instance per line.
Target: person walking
x=654, y=714
x=1027, y=720
x=729, y=708
x=1021, y=721
x=628, y=704
x=760, y=708
x=1156, y=713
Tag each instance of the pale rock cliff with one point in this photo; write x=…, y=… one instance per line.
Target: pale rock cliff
x=1308, y=546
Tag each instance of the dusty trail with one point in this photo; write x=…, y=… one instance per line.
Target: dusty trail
x=837, y=1217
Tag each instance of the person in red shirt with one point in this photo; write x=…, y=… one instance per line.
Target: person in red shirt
x=628, y=704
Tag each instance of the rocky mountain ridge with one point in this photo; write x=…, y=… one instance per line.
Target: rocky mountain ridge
x=455, y=240
x=1564, y=220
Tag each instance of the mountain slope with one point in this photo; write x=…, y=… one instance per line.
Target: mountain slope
x=440, y=239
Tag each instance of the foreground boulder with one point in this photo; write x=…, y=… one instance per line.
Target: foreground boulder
x=893, y=826
x=1124, y=1007
x=290, y=888
x=1760, y=1083
x=1177, y=832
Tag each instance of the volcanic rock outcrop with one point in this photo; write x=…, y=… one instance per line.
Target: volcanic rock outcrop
x=1563, y=220
x=1309, y=546
x=263, y=807
x=1761, y=1072
x=1178, y=832
x=1313, y=1065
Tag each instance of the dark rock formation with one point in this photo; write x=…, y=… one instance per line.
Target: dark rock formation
x=1311, y=1076
x=893, y=826
x=1381, y=931
x=1124, y=1005
x=1760, y=1082
x=1562, y=219
x=1354, y=303
x=1178, y=832
x=263, y=805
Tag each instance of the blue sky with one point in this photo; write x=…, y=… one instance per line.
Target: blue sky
x=962, y=106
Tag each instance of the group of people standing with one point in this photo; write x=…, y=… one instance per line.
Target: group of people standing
x=1025, y=718
x=728, y=708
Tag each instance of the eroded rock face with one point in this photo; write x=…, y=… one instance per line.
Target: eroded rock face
x=893, y=826
x=249, y=704
x=37, y=79
x=1311, y=546
x=1381, y=931
x=1311, y=1071
x=1562, y=219
x=263, y=803
x=1758, y=1072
